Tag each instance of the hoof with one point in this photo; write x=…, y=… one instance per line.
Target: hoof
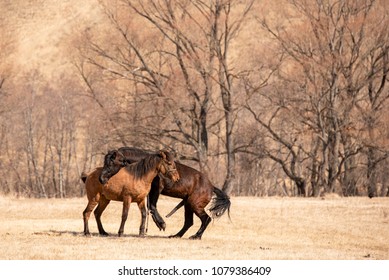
x=159, y=222
x=104, y=234
x=174, y=236
x=195, y=237
x=142, y=233
x=161, y=226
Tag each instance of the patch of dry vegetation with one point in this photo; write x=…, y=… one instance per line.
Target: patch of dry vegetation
x=39, y=30
x=261, y=228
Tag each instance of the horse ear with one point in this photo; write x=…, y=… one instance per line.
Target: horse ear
x=113, y=156
x=162, y=154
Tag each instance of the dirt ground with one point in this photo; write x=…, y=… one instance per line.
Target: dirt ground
x=260, y=228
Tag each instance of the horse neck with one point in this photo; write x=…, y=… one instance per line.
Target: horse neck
x=147, y=168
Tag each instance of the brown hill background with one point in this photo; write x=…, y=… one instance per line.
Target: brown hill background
x=38, y=32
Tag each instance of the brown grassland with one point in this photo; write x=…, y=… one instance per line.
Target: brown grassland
x=260, y=228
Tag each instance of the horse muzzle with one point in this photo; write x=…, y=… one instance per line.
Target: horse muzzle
x=173, y=174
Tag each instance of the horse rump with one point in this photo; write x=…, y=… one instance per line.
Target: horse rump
x=219, y=204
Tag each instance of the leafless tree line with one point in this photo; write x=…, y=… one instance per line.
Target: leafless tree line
x=338, y=96
x=289, y=105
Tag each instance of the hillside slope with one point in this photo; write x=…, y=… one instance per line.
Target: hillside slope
x=36, y=31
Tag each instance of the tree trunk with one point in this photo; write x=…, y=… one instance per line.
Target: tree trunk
x=371, y=172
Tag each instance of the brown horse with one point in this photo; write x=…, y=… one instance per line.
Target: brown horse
x=193, y=187
x=130, y=184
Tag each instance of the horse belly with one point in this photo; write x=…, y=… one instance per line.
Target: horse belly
x=112, y=195
x=176, y=190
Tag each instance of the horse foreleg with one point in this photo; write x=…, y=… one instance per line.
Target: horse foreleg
x=143, y=212
x=103, y=203
x=188, y=221
x=126, y=207
x=205, y=220
x=152, y=204
x=86, y=214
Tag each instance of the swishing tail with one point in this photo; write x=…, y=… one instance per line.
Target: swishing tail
x=220, y=204
x=84, y=176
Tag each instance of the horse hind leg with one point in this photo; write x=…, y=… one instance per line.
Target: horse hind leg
x=103, y=203
x=205, y=220
x=86, y=214
x=188, y=222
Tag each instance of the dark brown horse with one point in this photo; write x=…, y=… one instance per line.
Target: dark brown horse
x=130, y=184
x=193, y=187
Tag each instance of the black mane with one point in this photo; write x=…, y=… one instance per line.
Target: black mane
x=143, y=166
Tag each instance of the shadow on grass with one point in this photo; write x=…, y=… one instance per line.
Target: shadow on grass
x=110, y=236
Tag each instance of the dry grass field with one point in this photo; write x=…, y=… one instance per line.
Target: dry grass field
x=260, y=228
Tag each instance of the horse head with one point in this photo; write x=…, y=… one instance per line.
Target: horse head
x=168, y=167
x=113, y=162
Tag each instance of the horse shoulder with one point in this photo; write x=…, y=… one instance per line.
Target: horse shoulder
x=133, y=186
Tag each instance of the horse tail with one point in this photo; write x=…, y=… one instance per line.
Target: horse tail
x=220, y=204
x=83, y=176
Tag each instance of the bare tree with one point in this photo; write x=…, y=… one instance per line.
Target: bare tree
x=222, y=37
x=326, y=52
x=180, y=77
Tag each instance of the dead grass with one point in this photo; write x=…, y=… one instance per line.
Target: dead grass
x=261, y=228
